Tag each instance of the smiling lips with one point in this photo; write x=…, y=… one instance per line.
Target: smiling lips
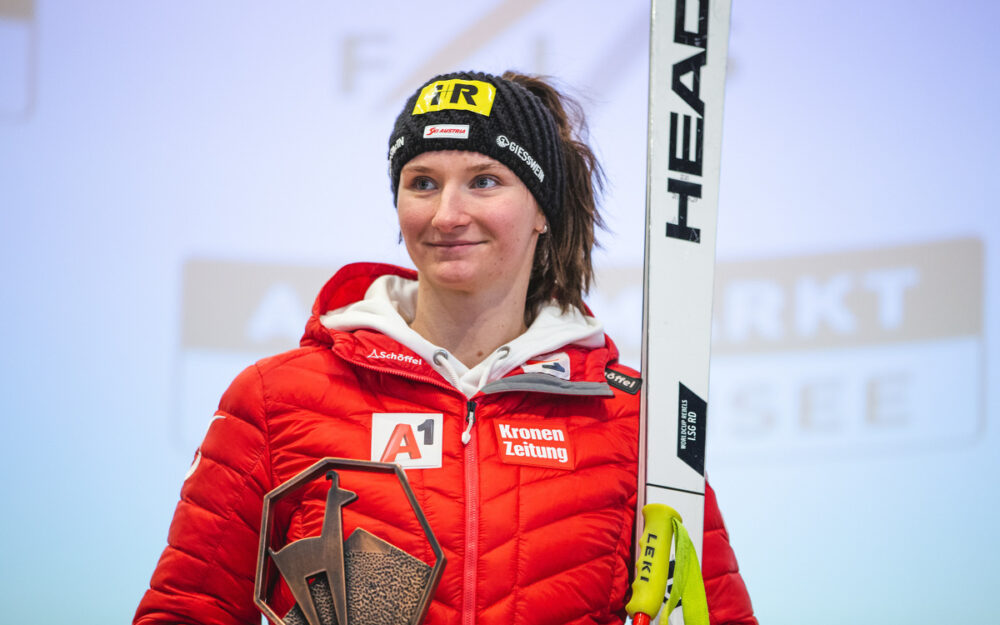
x=453, y=245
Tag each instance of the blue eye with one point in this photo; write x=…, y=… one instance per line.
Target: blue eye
x=484, y=182
x=422, y=183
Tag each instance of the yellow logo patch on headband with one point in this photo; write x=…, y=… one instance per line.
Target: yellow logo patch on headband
x=462, y=95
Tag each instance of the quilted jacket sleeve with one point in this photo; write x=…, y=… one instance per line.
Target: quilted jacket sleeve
x=728, y=600
x=206, y=572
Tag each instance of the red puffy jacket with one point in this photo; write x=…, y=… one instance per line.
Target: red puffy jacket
x=529, y=537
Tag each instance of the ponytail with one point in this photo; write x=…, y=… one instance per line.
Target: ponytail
x=562, y=269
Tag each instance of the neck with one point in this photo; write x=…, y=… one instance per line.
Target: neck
x=470, y=326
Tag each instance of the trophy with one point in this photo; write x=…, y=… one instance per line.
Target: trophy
x=363, y=580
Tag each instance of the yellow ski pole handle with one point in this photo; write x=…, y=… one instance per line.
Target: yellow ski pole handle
x=652, y=563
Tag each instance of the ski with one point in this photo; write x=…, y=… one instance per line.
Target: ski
x=687, y=70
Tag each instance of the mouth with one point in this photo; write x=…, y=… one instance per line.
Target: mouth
x=453, y=244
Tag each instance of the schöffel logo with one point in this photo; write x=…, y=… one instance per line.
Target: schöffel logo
x=384, y=355
x=623, y=382
x=446, y=131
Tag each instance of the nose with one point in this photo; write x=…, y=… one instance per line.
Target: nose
x=451, y=211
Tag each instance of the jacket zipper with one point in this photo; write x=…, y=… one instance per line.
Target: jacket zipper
x=471, y=518
x=471, y=494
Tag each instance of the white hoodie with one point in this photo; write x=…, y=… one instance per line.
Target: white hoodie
x=390, y=304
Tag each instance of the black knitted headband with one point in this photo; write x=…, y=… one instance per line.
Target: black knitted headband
x=488, y=114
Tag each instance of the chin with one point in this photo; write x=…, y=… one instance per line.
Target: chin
x=454, y=279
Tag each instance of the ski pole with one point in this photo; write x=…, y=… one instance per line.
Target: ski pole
x=663, y=527
x=652, y=563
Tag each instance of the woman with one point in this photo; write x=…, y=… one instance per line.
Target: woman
x=528, y=477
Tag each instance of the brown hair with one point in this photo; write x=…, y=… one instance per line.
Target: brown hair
x=562, y=269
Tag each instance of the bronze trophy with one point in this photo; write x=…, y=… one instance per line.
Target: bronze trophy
x=361, y=581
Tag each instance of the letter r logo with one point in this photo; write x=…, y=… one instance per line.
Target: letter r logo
x=413, y=440
x=461, y=95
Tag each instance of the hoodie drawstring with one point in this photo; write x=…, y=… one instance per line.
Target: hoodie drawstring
x=442, y=359
x=497, y=356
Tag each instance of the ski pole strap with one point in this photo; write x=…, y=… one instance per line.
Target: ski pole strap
x=688, y=583
x=662, y=528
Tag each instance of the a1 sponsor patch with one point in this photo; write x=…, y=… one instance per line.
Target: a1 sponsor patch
x=413, y=440
x=456, y=94
x=556, y=364
x=534, y=444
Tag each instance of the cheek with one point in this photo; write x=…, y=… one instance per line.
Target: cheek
x=410, y=221
x=515, y=240
x=520, y=222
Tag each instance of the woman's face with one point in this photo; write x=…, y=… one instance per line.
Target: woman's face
x=469, y=223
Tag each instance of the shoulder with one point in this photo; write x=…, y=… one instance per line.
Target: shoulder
x=310, y=357
x=251, y=380
x=288, y=378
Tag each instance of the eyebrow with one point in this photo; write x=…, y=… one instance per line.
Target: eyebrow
x=419, y=169
x=423, y=169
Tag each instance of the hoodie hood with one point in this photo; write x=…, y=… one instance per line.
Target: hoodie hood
x=364, y=312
